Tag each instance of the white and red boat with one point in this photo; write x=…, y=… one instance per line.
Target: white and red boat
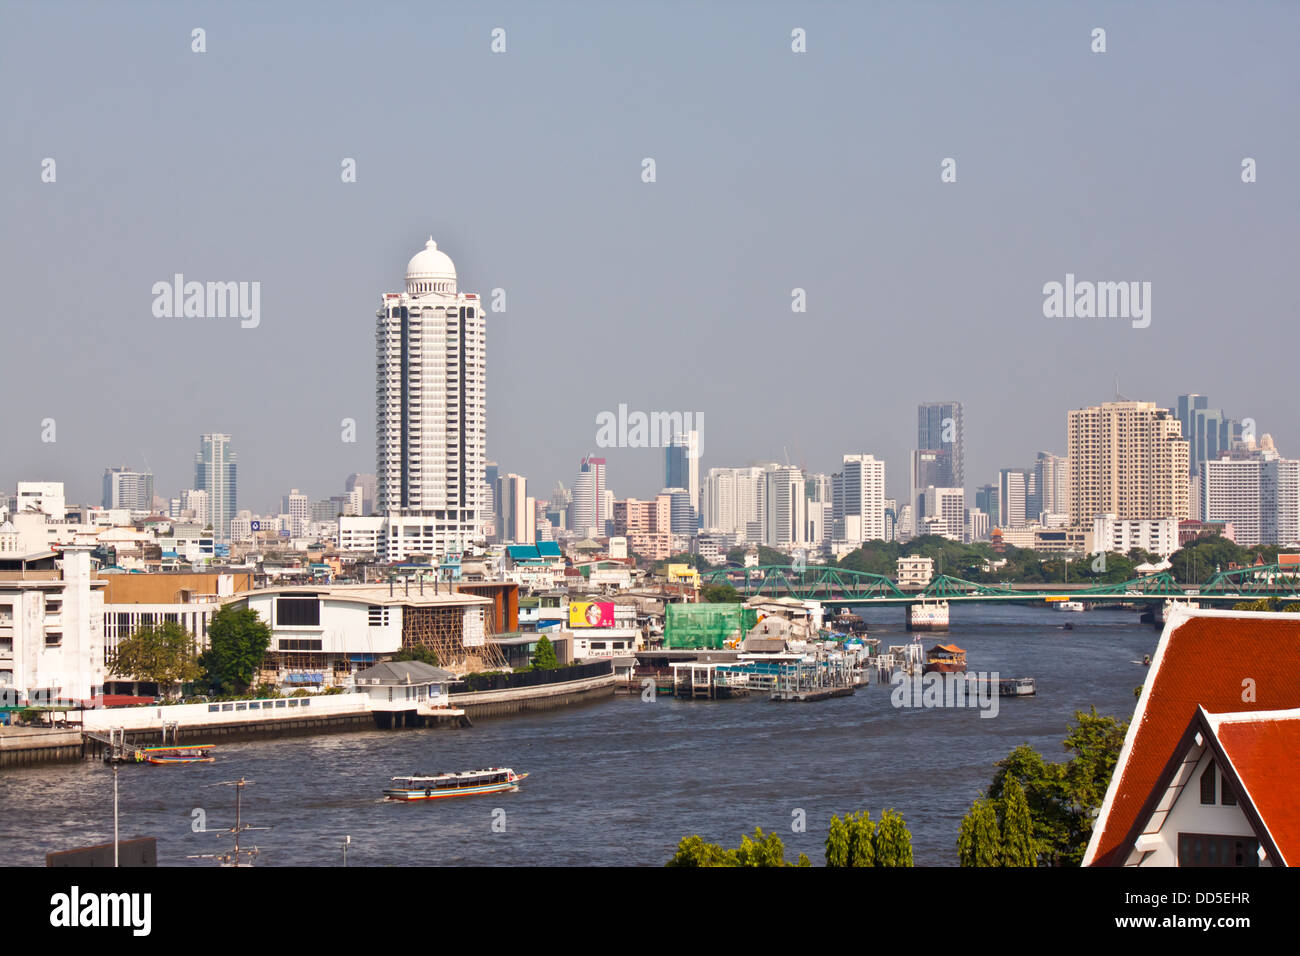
x=466, y=783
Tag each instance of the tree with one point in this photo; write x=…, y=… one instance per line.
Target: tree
x=1017, y=828
x=850, y=842
x=238, y=642
x=693, y=851
x=162, y=654
x=760, y=851
x=979, y=843
x=892, y=842
x=417, y=653
x=1061, y=799
x=544, y=657
x=837, y=842
x=720, y=594
x=862, y=844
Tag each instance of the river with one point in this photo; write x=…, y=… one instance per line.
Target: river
x=618, y=781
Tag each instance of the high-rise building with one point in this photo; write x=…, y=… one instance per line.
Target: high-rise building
x=1013, y=489
x=681, y=513
x=682, y=469
x=858, y=500
x=516, y=524
x=941, y=427
x=216, y=470
x=194, y=504
x=587, y=510
x=299, y=506
x=1046, y=492
x=431, y=353
x=367, y=485
x=929, y=465
x=557, y=512
x=1128, y=459
x=945, y=513
x=1260, y=496
x=986, y=500
x=124, y=488
x=1209, y=432
x=785, y=508
x=732, y=499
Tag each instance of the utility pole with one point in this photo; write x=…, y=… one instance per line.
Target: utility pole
x=115, y=815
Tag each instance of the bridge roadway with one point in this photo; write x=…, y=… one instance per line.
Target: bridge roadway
x=840, y=587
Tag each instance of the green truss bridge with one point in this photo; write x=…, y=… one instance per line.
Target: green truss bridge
x=841, y=587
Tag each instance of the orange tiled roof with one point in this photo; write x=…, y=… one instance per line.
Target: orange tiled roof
x=1265, y=754
x=1203, y=659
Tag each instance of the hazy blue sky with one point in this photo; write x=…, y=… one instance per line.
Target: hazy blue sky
x=775, y=170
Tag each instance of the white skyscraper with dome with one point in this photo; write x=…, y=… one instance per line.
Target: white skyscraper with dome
x=431, y=410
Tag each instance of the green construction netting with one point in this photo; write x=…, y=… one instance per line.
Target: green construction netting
x=706, y=625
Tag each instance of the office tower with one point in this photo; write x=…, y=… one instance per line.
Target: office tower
x=977, y=525
x=1128, y=459
x=681, y=514
x=819, y=492
x=1013, y=490
x=986, y=500
x=785, y=507
x=929, y=465
x=1209, y=432
x=367, y=484
x=586, y=511
x=858, y=500
x=516, y=524
x=557, y=512
x=941, y=427
x=216, y=469
x=1050, y=481
x=682, y=467
x=431, y=346
x=124, y=488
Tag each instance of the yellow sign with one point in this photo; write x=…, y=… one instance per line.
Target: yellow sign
x=591, y=614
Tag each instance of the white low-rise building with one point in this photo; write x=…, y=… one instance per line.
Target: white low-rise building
x=1111, y=535
x=51, y=628
x=915, y=572
x=334, y=630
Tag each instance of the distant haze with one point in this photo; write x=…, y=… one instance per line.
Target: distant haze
x=774, y=171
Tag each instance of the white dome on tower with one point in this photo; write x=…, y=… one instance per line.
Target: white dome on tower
x=430, y=270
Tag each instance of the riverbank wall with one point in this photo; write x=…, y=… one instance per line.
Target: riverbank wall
x=183, y=724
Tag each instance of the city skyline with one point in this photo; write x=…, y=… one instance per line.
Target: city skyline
x=940, y=266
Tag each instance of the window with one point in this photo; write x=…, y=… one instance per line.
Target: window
x=297, y=612
x=378, y=616
x=1207, y=785
x=1228, y=798
x=1211, y=849
x=300, y=644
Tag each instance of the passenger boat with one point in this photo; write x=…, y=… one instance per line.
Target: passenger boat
x=1070, y=606
x=945, y=659
x=198, y=753
x=466, y=783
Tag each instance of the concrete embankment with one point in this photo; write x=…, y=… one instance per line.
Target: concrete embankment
x=250, y=720
x=497, y=703
x=27, y=745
